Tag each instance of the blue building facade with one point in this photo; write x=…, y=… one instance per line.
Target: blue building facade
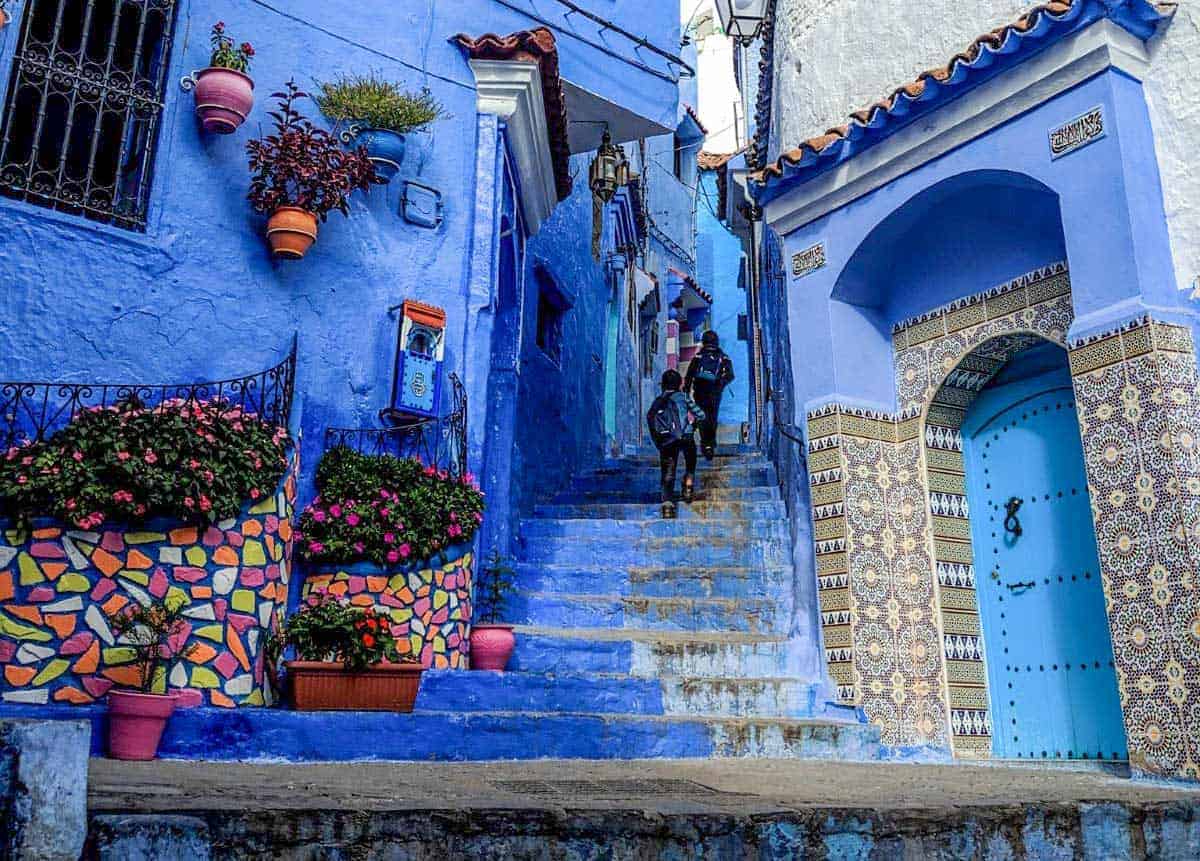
x=969, y=305
x=187, y=290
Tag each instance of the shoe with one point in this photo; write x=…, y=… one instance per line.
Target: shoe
x=668, y=511
x=709, y=452
x=689, y=488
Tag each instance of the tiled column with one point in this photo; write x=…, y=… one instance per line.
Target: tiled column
x=1139, y=414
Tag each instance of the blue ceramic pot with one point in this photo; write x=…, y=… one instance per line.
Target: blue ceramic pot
x=385, y=148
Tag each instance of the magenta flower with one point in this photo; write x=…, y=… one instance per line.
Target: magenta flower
x=389, y=537
x=393, y=556
x=335, y=511
x=405, y=551
x=319, y=516
x=352, y=519
x=315, y=547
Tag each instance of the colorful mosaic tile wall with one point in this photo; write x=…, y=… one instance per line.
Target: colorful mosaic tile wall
x=1139, y=410
x=57, y=586
x=430, y=606
x=891, y=519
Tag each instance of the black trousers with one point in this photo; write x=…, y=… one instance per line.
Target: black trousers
x=708, y=398
x=668, y=462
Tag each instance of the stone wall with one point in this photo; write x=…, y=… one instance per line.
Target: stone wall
x=429, y=604
x=58, y=586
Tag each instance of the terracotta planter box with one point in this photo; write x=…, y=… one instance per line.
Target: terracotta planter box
x=326, y=686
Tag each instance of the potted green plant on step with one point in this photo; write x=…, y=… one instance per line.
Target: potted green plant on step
x=153, y=633
x=492, y=641
x=378, y=114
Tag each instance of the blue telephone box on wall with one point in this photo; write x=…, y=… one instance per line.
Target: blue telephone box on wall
x=417, y=384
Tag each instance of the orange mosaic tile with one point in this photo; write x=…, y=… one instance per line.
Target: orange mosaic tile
x=106, y=562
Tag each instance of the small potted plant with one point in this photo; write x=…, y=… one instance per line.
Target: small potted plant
x=137, y=717
x=224, y=92
x=346, y=659
x=379, y=114
x=300, y=174
x=492, y=641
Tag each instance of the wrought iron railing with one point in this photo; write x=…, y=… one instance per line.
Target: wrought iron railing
x=31, y=412
x=440, y=442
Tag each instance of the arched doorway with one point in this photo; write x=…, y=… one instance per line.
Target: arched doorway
x=1037, y=573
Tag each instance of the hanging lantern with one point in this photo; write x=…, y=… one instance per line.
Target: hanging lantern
x=605, y=173
x=742, y=19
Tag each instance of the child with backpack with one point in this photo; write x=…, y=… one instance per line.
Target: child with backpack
x=672, y=419
x=709, y=372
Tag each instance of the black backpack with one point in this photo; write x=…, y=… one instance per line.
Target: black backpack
x=708, y=365
x=666, y=425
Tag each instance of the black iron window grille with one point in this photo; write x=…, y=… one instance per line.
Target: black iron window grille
x=31, y=412
x=440, y=442
x=84, y=101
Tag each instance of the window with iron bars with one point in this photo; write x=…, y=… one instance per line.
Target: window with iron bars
x=83, y=106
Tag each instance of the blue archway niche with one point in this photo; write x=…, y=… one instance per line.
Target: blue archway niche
x=957, y=238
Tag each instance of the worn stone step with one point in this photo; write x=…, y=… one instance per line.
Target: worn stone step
x=707, y=509
x=638, y=530
x=748, y=615
x=653, y=495
x=651, y=461
x=567, y=692
x=653, y=653
x=600, y=578
x=751, y=697
x=770, y=550
x=650, y=478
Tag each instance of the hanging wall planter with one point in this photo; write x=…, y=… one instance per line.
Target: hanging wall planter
x=377, y=115
x=291, y=231
x=224, y=92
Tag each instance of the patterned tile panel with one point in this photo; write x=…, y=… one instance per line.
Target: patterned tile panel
x=1136, y=396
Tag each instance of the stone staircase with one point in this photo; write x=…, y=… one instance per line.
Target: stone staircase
x=640, y=638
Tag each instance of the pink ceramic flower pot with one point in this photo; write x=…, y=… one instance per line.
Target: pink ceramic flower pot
x=136, y=722
x=224, y=98
x=491, y=646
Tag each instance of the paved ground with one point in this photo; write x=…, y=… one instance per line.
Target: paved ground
x=740, y=787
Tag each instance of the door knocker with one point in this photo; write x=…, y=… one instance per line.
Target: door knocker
x=1011, y=522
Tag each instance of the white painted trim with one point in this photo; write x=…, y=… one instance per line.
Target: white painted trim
x=512, y=90
x=1100, y=46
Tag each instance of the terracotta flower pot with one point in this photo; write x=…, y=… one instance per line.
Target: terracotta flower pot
x=491, y=646
x=328, y=686
x=224, y=98
x=136, y=722
x=291, y=231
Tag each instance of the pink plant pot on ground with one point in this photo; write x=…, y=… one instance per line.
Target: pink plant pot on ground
x=491, y=646
x=224, y=98
x=136, y=722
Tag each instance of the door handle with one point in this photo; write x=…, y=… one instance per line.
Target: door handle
x=1012, y=523
x=1013, y=587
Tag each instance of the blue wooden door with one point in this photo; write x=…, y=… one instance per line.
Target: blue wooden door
x=1046, y=636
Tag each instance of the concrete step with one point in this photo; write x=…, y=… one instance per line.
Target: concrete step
x=708, y=509
x=651, y=461
x=744, y=615
x=650, y=478
x=650, y=580
x=652, y=653
x=652, y=496
x=751, y=697
x=769, y=550
x=638, y=530
x=575, y=693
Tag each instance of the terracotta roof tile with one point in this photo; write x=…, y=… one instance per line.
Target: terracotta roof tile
x=915, y=89
x=537, y=46
x=715, y=160
x=691, y=112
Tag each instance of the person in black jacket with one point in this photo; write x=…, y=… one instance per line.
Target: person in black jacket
x=672, y=421
x=709, y=372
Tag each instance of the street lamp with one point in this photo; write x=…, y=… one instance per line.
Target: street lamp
x=742, y=19
x=609, y=170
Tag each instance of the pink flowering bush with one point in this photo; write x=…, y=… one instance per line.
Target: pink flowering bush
x=186, y=460
x=386, y=510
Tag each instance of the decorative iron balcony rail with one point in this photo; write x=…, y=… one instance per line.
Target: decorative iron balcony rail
x=31, y=412
x=440, y=442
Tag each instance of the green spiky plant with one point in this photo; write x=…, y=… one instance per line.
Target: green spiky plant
x=377, y=103
x=495, y=584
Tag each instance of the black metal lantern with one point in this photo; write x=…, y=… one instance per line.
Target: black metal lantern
x=742, y=19
x=607, y=169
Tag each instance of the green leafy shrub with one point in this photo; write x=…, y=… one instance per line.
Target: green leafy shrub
x=377, y=103
x=326, y=628
x=186, y=460
x=386, y=510
x=155, y=633
x=493, y=587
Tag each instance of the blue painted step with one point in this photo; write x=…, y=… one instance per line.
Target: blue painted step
x=696, y=510
x=653, y=495
x=589, y=528
x=577, y=693
x=653, y=580
x=671, y=552
x=649, y=479
x=749, y=615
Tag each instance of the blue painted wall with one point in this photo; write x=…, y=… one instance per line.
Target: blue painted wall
x=718, y=266
x=196, y=296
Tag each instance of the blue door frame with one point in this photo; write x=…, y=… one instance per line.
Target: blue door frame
x=1046, y=636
